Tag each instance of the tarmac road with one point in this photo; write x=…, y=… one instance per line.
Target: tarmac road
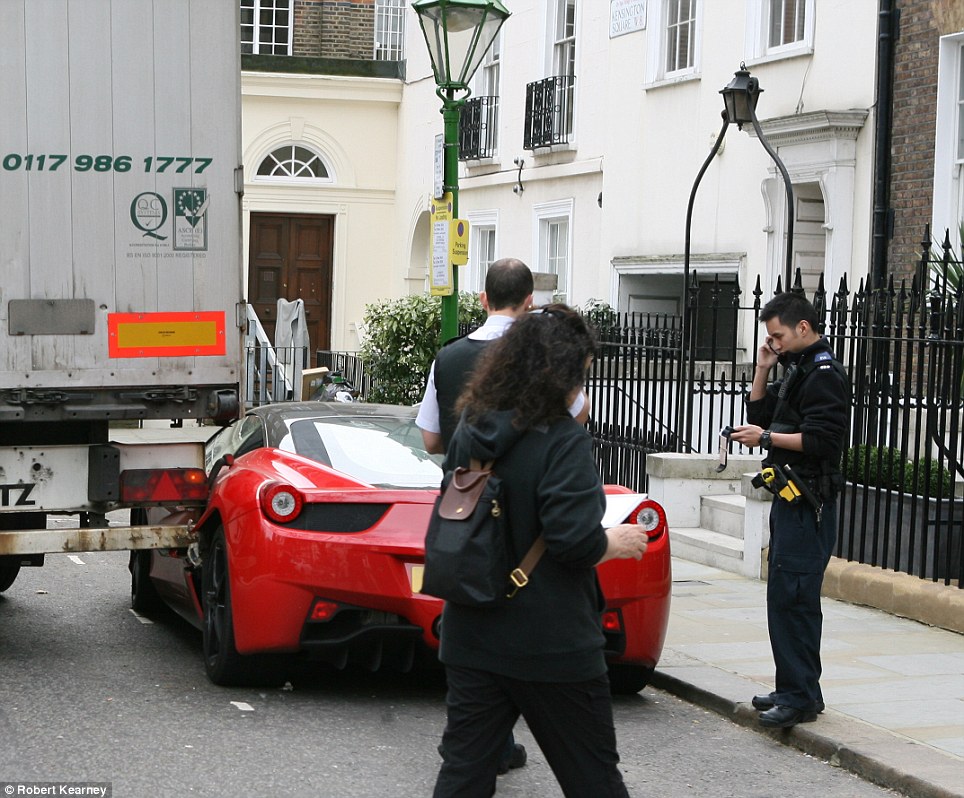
x=91, y=693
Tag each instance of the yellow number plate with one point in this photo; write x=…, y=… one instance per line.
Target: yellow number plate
x=415, y=576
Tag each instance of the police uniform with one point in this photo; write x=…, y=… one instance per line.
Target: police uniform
x=813, y=398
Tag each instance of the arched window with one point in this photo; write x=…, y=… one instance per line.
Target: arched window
x=293, y=162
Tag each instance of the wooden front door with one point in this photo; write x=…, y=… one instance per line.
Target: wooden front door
x=290, y=257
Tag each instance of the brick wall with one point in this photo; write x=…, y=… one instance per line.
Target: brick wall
x=912, y=144
x=349, y=29
x=334, y=28
x=306, y=38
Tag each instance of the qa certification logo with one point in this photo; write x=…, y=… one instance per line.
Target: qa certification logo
x=149, y=213
x=190, y=219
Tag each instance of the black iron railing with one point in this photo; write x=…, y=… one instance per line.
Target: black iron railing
x=548, y=119
x=903, y=347
x=479, y=128
x=349, y=366
x=655, y=388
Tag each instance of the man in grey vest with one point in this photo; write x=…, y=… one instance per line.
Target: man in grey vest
x=507, y=296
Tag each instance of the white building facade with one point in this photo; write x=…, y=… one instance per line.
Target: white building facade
x=587, y=127
x=605, y=112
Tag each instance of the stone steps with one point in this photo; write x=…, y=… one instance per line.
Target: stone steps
x=708, y=547
x=723, y=514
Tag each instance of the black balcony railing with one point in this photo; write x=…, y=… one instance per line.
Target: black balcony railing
x=549, y=112
x=479, y=128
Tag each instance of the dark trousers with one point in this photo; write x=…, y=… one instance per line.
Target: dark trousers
x=795, y=622
x=799, y=553
x=571, y=721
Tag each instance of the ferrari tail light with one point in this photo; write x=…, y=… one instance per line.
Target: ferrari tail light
x=611, y=622
x=323, y=610
x=280, y=502
x=651, y=516
x=163, y=485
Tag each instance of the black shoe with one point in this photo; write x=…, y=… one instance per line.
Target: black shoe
x=515, y=760
x=765, y=701
x=784, y=717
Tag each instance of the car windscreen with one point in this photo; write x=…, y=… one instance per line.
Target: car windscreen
x=384, y=451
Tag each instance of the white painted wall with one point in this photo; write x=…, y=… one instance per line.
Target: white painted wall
x=352, y=123
x=642, y=145
x=638, y=143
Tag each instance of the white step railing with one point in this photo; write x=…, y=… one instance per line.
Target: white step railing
x=271, y=374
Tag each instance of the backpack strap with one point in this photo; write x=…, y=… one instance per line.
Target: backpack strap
x=463, y=494
x=520, y=576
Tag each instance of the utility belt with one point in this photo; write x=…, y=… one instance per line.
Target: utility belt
x=792, y=487
x=784, y=483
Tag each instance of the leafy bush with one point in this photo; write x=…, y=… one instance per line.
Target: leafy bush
x=401, y=339
x=599, y=315
x=887, y=467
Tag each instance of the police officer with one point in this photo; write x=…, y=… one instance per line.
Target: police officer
x=800, y=421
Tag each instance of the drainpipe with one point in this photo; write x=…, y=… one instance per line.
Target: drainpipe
x=887, y=31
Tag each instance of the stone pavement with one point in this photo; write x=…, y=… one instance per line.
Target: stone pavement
x=894, y=687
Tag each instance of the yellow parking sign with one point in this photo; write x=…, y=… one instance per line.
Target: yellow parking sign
x=459, y=242
x=441, y=270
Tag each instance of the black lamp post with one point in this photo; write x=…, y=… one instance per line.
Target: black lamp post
x=458, y=34
x=740, y=97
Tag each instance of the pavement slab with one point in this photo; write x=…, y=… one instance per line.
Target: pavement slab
x=894, y=687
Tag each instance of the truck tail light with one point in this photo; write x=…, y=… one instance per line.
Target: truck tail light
x=280, y=502
x=163, y=486
x=651, y=516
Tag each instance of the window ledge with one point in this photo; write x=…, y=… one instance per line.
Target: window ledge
x=474, y=164
x=781, y=55
x=550, y=149
x=672, y=81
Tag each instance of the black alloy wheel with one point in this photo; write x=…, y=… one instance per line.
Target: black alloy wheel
x=222, y=662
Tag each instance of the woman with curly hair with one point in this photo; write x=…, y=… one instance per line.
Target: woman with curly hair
x=540, y=653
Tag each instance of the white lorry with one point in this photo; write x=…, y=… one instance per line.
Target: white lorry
x=121, y=279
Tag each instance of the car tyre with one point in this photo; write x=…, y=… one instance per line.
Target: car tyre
x=144, y=596
x=222, y=662
x=8, y=573
x=628, y=679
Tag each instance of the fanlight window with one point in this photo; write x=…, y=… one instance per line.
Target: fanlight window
x=293, y=162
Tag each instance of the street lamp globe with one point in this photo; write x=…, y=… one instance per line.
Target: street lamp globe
x=740, y=96
x=458, y=34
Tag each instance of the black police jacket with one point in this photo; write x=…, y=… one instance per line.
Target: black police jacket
x=816, y=403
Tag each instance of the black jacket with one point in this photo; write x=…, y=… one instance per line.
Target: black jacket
x=817, y=405
x=550, y=631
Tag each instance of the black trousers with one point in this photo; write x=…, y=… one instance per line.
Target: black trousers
x=799, y=553
x=571, y=721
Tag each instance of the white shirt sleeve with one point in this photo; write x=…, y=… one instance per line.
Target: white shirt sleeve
x=576, y=407
x=428, y=415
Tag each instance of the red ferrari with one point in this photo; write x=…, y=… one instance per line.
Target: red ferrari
x=311, y=544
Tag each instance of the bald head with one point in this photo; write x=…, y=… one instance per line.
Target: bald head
x=508, y=285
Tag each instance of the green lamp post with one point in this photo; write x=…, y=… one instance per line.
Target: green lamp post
x=458, y=34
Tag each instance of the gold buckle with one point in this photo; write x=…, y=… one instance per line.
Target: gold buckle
x=519, y=579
